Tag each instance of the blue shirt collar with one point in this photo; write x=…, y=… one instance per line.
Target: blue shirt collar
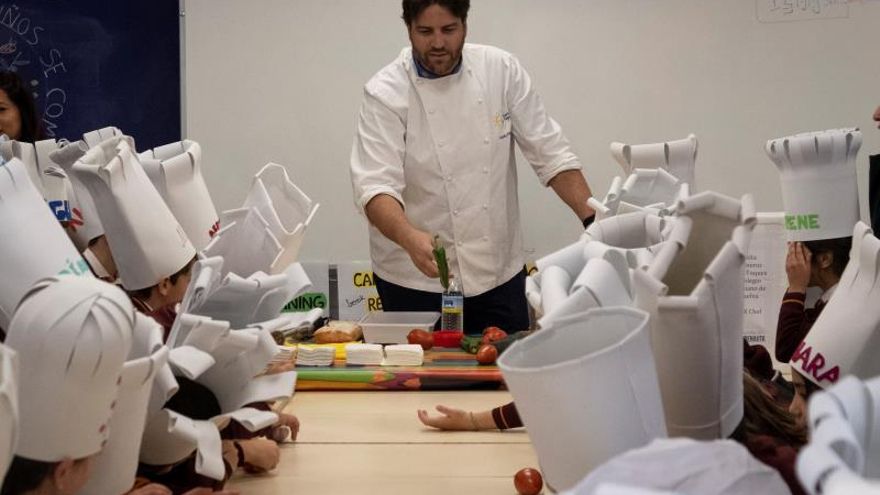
x=423, y=71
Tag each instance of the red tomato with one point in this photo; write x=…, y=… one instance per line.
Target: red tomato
x=487, y=354
x=421, y=337
x=528, y=481
x=492, y=334
x=490, y=329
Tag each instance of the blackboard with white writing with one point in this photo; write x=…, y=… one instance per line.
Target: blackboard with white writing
x=92, y=63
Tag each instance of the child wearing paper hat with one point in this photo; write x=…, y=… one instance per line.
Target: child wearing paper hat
x=175, y=170
x=72, y=335
x=33, y=243
x=841, y=343
x=254, y=455
x=820, y=193
x=84, y=227
x=152, y=252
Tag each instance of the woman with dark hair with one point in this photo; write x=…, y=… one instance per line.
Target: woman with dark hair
x=19, y=118
x=817, y=263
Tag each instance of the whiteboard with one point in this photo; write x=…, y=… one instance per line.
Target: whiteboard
x=282, y=81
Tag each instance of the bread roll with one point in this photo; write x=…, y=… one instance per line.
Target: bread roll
x=337, y=331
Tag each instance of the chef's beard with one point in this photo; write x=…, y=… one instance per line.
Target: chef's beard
x=440, y=66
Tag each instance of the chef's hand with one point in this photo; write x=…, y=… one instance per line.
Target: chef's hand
x=797, y=267
x=877, y=117
x=418, y=245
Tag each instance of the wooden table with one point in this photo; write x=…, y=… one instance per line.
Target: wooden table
x=372, y=442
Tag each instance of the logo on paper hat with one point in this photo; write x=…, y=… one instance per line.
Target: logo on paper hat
x=8, y=407
x=817, y=171
x=43, y=172
x=838, y=344
x=33, y=242
x=145, y=239
x=84, y=222
x=72, y=335
x=175, y=170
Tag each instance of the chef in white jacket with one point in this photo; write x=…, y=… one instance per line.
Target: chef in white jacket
x=434, y=154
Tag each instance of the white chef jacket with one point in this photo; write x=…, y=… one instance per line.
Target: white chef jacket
x=443, y=148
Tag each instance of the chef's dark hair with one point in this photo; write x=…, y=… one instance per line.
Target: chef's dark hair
x=414, y=8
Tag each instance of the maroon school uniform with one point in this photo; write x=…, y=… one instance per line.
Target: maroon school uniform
x=779, y=455
x=794, y=323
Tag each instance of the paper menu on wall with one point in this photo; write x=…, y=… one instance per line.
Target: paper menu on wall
x=764, y=281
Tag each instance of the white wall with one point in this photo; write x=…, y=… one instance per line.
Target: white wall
x=281, y=80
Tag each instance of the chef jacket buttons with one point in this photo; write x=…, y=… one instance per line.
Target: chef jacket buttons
x=431, y=111
x=480, y=101
x=455, y=212
x=440, y=144
x=460, y=243
x=486, y=140
x=485, y=207
x=485, y=170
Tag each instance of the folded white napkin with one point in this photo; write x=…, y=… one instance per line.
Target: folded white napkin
x=404, y=355
x=364, y=354
x=314, y=356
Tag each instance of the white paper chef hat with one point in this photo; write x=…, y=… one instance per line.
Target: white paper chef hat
x=72, y=335
x=604, y=282
x=285, y=207
x=827, y=354
x=676, y=157
x=260, y=297
x=645, y=189
x=616, y=405
x=113, y=470
x=844, y=446
x=696, y=303
x=245, y=242
x=639, y=236
x=241, y=356
x=84, y=224
x=176, y=171
x=42, y=171
x=25, y=152
x=853, y=403
x=145, y=239
x=720, y=467
x=170, y=437
x=822, y=472
x=93, y=138
x=8, y=407
x=617, y=489
x=817, y=172
x=33, y=242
